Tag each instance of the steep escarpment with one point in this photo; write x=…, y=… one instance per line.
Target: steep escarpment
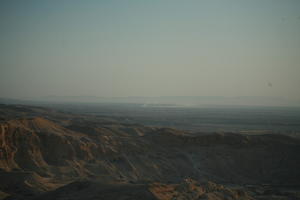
x=38, y=155
x=36, y=144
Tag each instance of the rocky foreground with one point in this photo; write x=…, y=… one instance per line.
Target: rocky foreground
x=46, y=154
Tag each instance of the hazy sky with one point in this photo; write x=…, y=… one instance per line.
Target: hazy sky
x=150, y=48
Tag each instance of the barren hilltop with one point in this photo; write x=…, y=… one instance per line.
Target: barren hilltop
x=48, y=154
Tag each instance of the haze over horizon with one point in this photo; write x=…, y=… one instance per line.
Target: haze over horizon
x=150, y=48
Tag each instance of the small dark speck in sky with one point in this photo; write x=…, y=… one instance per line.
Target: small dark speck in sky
x=270, y=84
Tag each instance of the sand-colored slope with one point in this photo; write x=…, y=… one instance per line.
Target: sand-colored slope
x=38, y=154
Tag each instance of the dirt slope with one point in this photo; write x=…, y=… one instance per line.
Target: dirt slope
x=39, y=154
x=188, y=189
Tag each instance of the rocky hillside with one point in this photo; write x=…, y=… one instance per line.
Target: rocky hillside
x=41, y=150
x=187, y=189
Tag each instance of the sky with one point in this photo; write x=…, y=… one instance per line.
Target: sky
x=150, y=48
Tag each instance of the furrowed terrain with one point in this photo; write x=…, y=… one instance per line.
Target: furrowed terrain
x=47, y=154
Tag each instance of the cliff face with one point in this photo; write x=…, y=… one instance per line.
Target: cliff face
x=38, y=155
x=136, y=152
x=43, y=147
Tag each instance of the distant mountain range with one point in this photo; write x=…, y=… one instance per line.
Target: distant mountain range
x=164, y=100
